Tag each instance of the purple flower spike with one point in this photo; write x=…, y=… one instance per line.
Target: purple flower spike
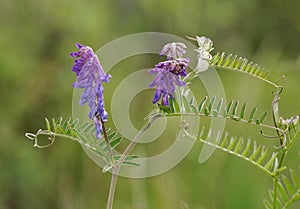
x=90, y=76
x=169, y=72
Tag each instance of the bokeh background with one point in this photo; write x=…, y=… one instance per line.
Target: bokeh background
x=36, y=38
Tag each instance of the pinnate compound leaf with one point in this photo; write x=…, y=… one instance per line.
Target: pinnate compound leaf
x=258, y=155
x=230, y=62
x=83, y=134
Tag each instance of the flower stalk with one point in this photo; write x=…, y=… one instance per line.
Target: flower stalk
x=118, y=164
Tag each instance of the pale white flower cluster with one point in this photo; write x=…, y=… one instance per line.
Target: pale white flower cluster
x=204, y=49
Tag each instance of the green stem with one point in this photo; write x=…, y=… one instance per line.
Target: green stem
x=276, y=178
x=275, y=188
x=136, y=139
x=112, y=188
x=117, y=166
x=275, y=111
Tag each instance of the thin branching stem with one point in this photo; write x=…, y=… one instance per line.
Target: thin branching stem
x=116, y=168
x=275, y=186
x=136, y=139
x=274, y=109
x=112, y=188
x=282, y=146
x=276, y=178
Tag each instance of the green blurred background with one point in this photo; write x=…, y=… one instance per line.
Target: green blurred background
x=36, y=38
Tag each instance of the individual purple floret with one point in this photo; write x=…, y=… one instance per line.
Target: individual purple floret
x=90, y=76
x=169, y=72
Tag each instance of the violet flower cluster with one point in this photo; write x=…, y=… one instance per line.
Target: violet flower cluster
x=169, y=73
x=90, y=76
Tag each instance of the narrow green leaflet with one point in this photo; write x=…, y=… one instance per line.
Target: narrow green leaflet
x=202, y=103
x=252, y=114
x=262, y=118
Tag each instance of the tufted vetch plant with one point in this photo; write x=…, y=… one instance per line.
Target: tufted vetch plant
x=171, y=76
